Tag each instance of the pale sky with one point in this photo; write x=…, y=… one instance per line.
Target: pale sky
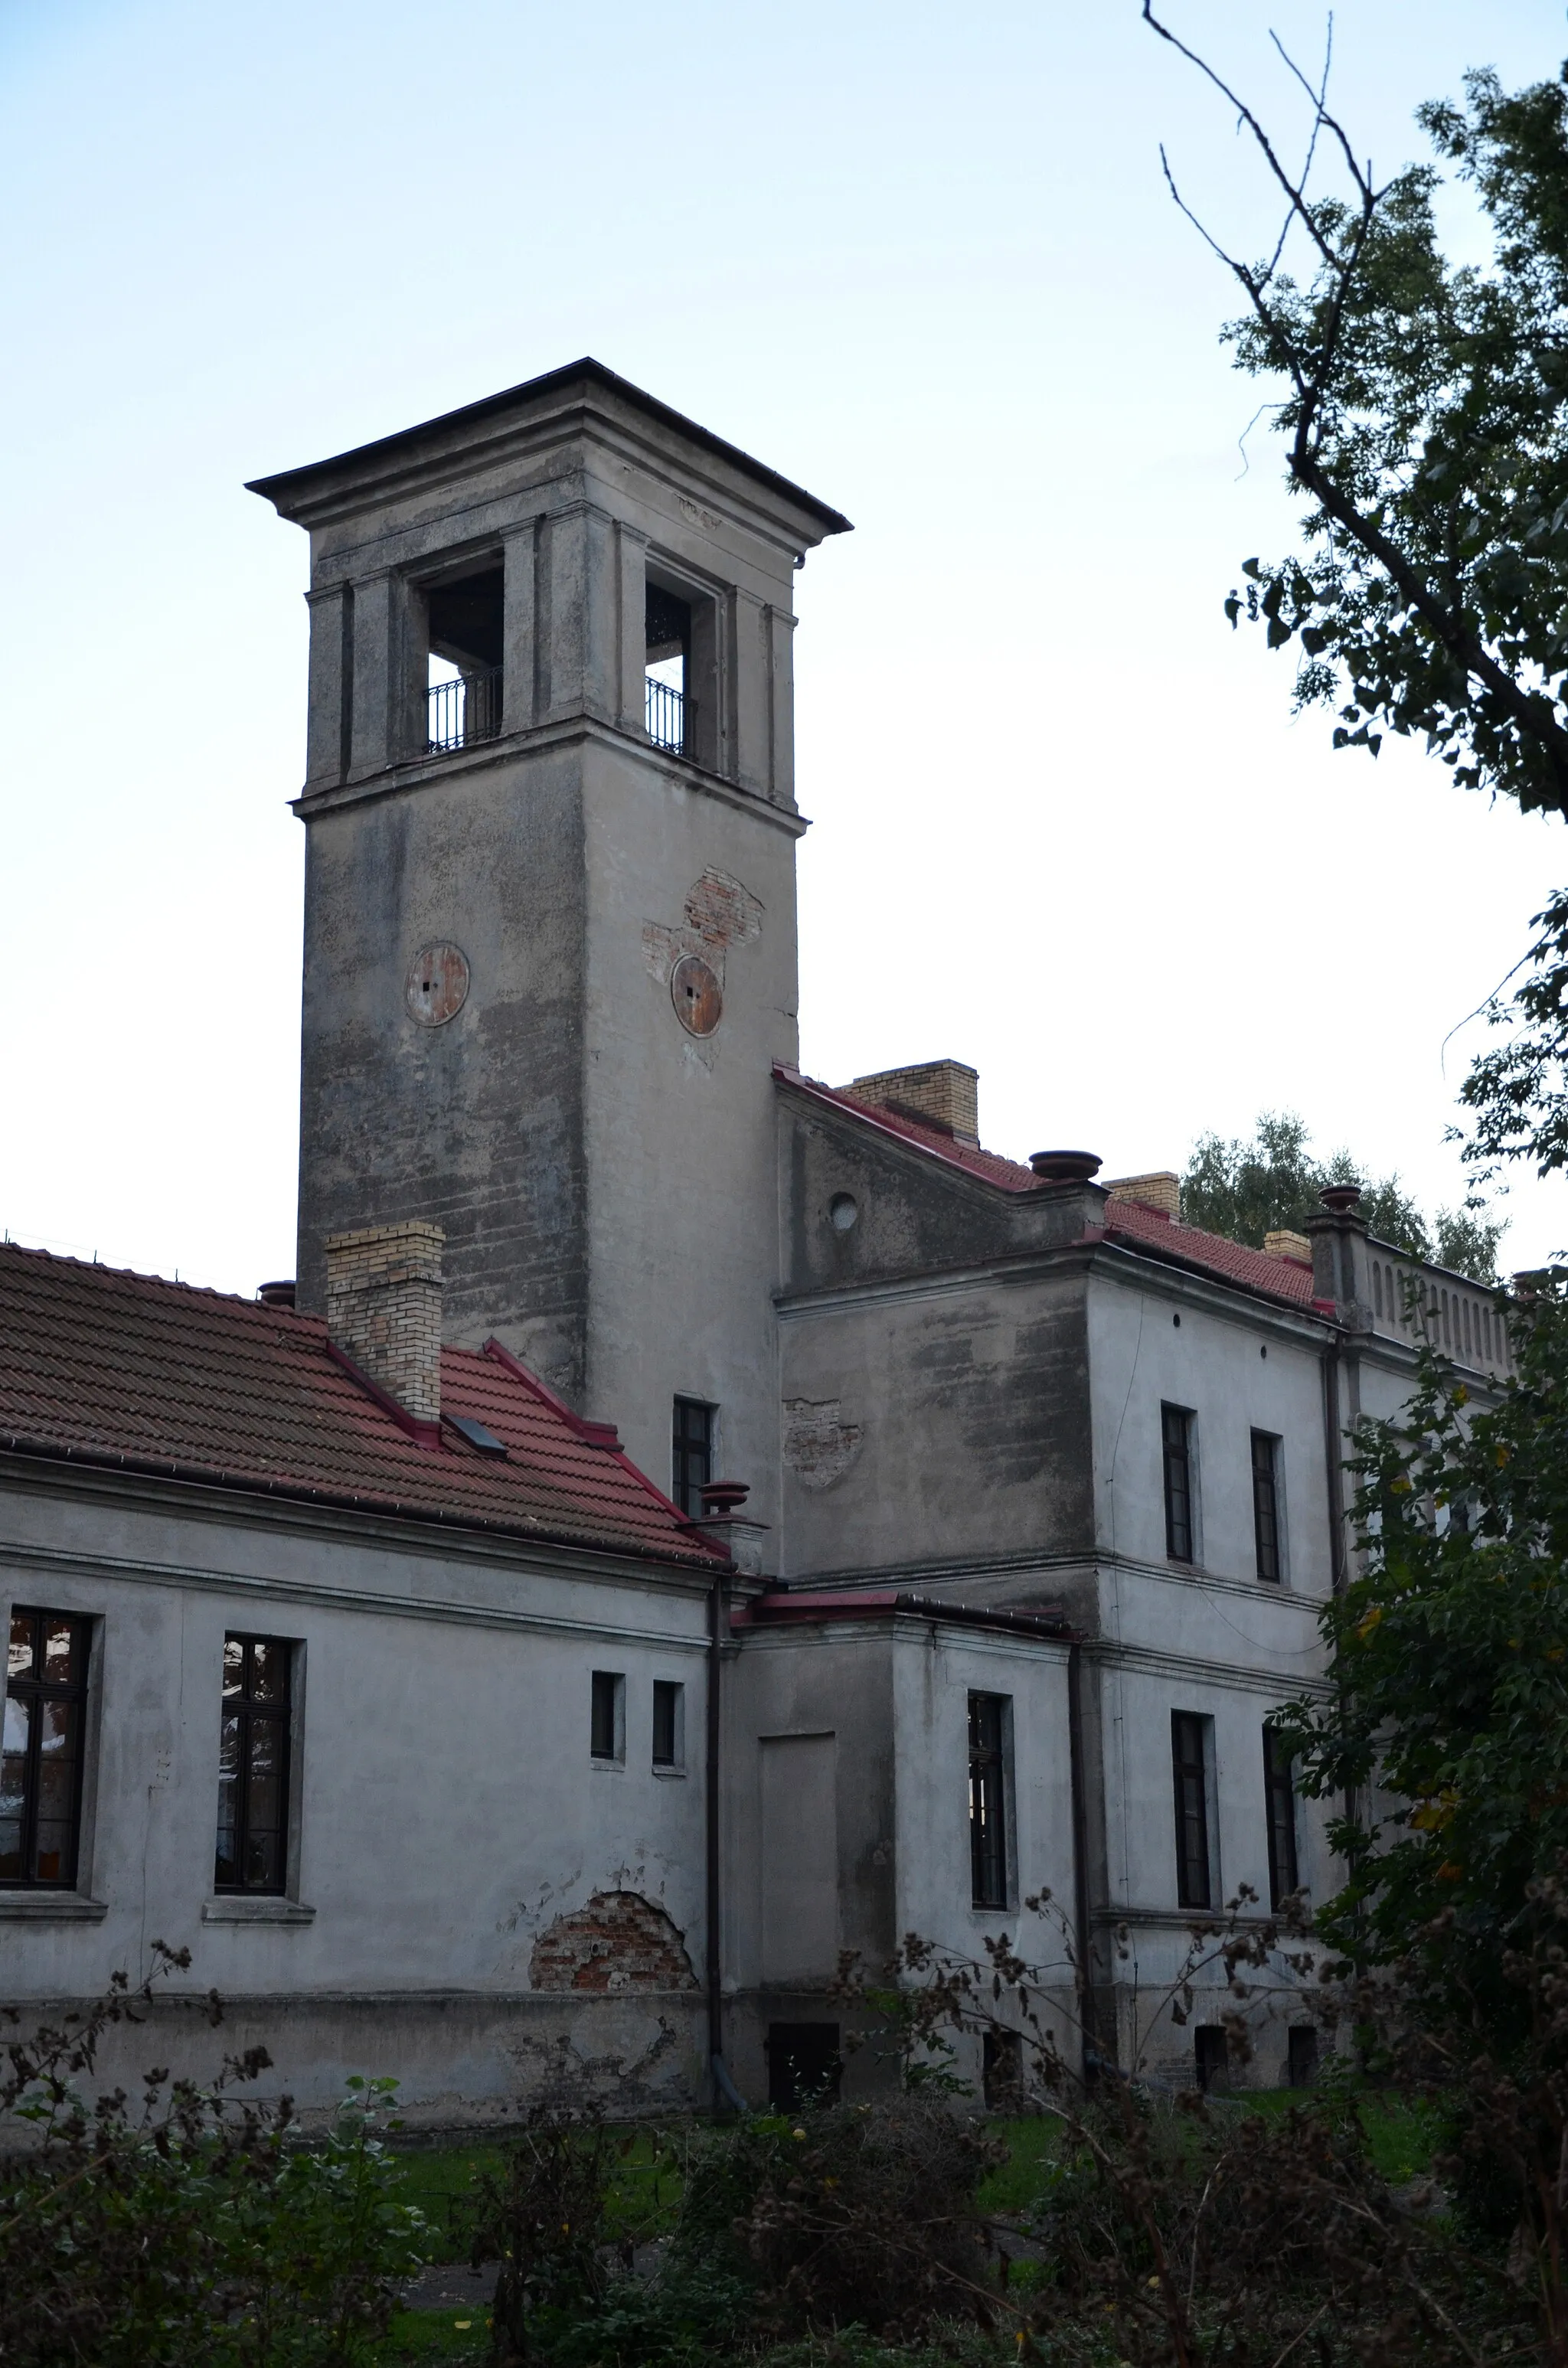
x=920, y=260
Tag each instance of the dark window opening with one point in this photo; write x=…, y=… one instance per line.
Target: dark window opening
x=1265, y=1503
x=1280, y=1795
x=1212, y=2057
x=1301, y=2059
x=669, y=688
x=987, y=1800
x=805, y=2066
x=252, y=1765
x=467, y=621
x=607, y=1716
x=40, y=1767
x=692, y=1456
x=1176, y=1434
x=667, y=1723
x=1002, y=2073
x=1189, y=1765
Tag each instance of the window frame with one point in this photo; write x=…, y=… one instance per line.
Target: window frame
x=990, y=1803
x=1177, y=1448
x=250, y=1712
x=39, y=1691
x=683, y=1490
x=1268, y=1518
x=670, y=1691
x=1191, y=1765
x=1280, y=1812
x=606, y=1688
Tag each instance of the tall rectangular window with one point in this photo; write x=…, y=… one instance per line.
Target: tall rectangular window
x=668, y=1740
x=692, y=1457
x=253, y=1766
x=607, y=1733
x=40, y=1766
x=988, y=1800
x=1189, y=1767
x=1265, y=1503
x=1175, y=1435
x=1280, y=1793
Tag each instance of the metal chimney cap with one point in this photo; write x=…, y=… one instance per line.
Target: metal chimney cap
x=276, y=1294
x=721, y=1498
x=1065, y=1167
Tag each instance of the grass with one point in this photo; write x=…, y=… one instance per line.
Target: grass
x=459, y=2338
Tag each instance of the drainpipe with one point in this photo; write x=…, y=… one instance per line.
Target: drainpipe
x=1086, y=2027
x=725, y=2091
x=1334, y=1451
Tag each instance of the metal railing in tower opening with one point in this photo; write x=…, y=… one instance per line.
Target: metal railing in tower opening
x=464, y=711
x=666, y=716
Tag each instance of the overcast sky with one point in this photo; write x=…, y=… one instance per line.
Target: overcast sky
x=1064, y=826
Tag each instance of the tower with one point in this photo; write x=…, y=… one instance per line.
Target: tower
x=549, y=902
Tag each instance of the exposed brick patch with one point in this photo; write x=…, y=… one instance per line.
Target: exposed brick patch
x=722, y=912
x=619, y=1942
x=818, y=1447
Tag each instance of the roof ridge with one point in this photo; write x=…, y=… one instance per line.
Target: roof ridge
x=158, y=1281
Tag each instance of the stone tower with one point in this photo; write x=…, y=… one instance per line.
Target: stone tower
x=550, y=904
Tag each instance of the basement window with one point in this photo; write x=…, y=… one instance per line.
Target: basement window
x=465, y=623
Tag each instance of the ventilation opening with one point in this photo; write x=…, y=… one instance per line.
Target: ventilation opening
x=466, y=621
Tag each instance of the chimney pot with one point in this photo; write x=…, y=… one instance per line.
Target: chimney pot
x=1340, y=1197
x=276, y=1294
x=1065, y=1167
x=383, y=1309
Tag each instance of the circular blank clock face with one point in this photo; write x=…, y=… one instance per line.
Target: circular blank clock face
x=437, y=987
x=696, y=996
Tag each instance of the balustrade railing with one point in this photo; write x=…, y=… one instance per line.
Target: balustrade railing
x=667, y=716
x=464, y=711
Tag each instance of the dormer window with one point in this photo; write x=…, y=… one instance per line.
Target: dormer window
x=465, y=616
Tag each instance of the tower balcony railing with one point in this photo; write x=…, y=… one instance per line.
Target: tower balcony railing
x=666, y=716
x=464, y=711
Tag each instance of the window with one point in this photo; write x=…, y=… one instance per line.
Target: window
x=669, y=1720
x=805, y=2064
x=1301, y=2054
x=1189, y=1764
x=1279, y=1793
x=252, y=1765
x=667, y=620
x=1265, y=1503
x=1176, y=1434
x=608, y=1716
x=1211, y=2056
x=41, y=1771
x=987, y=1800
x=693, y=1453
x=465, y=619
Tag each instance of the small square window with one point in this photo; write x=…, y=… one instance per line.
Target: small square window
x=608, y=1728
x=669, y=1740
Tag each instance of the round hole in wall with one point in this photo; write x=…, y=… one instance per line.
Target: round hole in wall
x=841, y=1211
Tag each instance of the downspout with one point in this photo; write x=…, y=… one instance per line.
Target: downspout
x=1088, y=2034
x=1334, y=1454
x=725, y=2091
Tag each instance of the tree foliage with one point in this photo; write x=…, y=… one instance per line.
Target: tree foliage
x=1248, y=1189
x=1425, y=408
x=1447, y=1727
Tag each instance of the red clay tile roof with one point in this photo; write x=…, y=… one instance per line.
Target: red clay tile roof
x=127, y=1371
x=1123, y=1221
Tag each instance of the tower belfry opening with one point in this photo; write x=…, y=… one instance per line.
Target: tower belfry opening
x=465, y=619
x=670, y=710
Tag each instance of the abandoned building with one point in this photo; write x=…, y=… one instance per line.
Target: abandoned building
x=684, y=1520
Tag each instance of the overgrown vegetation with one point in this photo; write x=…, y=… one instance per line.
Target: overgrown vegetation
x=188, y=2229
x=1249, y=1189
